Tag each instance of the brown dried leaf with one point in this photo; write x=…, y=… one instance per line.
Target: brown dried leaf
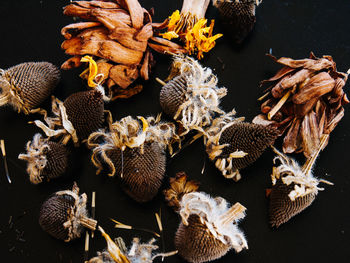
x=125, y=36
x=123, y=75
x=119, y=93
x=136, y=12
x=145, y=33
x=310, y=134
x=333, y=121
x=112, y=18
x=117, y=53
x=104, y=68
x=311, y=64
x=73, y=62
x=297, y=78
x=73, y=29
x=290, y=141
x=280, y=74
x=318, y=85
x=302, y=109
x=145, y=66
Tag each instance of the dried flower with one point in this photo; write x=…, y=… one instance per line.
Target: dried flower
x=46, y=159
x=305, y=102
x=209, y=228
x=116, y=251
x=191, y=27
x=135, y=150
x=76, y=118
x=26, y=86
x=120, y=34
x=294, y=187
x=234, y=145
x=238, y=16
x=192, y=96
x=64, y=215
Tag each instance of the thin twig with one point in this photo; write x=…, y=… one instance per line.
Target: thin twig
x=3, y=151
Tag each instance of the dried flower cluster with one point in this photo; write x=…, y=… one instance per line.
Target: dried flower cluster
x=119, y=33
x=191, y=27
x=135, y=150
x=64, y=215
x=27, y=85
x=294, y=187
x=208, y=229
x=305, y=102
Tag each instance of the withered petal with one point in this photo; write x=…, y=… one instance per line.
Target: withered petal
x=123, y=75
x=68, y=30
x=73, y=62
x=136, y=13
x=290, y=143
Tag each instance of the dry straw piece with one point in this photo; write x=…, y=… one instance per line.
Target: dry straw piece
x=237, y=16
x=64, y=215
x=120, y=35
x=191, y=97
x=234, y=145
x=208, y=228
x=305, y=102
x=294, y=187
x=46, y=160
x=134, y=149
x=76, y=118
x=116, y=251
x=26, y=86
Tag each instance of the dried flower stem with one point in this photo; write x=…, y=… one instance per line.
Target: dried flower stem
x=279, y=105
x=3, y=151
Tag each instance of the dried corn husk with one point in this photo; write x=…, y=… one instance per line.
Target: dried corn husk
x=305, y=102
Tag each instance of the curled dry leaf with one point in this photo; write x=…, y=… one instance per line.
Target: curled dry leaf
x=305, y=101
x=118, y=33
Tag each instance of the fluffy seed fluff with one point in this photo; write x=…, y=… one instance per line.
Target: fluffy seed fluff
x=45, y=159
x=64, y=215
x=135, y=150
x=294, y=188
x=192, y=96
x=27, y=85
x=138, y=252
x=76, y=118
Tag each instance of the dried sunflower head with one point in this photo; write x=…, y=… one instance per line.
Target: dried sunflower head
x=76, y=118
x=191, y=97
x=135, y=150
x=64, y=215
x=294, y=188
x=116, y=251
x=191, y=27
x=208, y=229
x=46, y=159
x=238, y=16
x=26, y=86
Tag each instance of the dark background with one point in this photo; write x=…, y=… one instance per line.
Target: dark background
x=30, y=31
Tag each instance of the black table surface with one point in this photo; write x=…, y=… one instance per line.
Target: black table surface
x=30, y=31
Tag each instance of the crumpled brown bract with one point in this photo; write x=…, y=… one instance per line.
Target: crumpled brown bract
x=305, y=101
x=120, y=34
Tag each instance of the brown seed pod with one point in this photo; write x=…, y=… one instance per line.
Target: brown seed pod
x=135, y=150
x=26, y=86
x=237, y=16
x=192, y=97
x=64, y=215
x=294, y=187
x=117, y=252
x=46, y=160
x=208, y=229
x=234, y=145
x=81, y=114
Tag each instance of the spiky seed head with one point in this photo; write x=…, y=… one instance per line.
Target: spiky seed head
x=54, y=213
x=250, y=138
x=85, y=111
x=141, y=174
x=32, y=82
x=172, y=95
x=237, y=16
x=282, y=208
x=57, y=160
x=196, y=244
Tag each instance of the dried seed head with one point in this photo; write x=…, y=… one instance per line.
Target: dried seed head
x=294, y=188
x=234, y=145
x=192, y=98
x=138, y=252
x=207, y=231
x=85, y=111
x=237, y=16
x=135, y=149
x=141, y=174
x=64, y=215
x=46, y=159
x=27, y=85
